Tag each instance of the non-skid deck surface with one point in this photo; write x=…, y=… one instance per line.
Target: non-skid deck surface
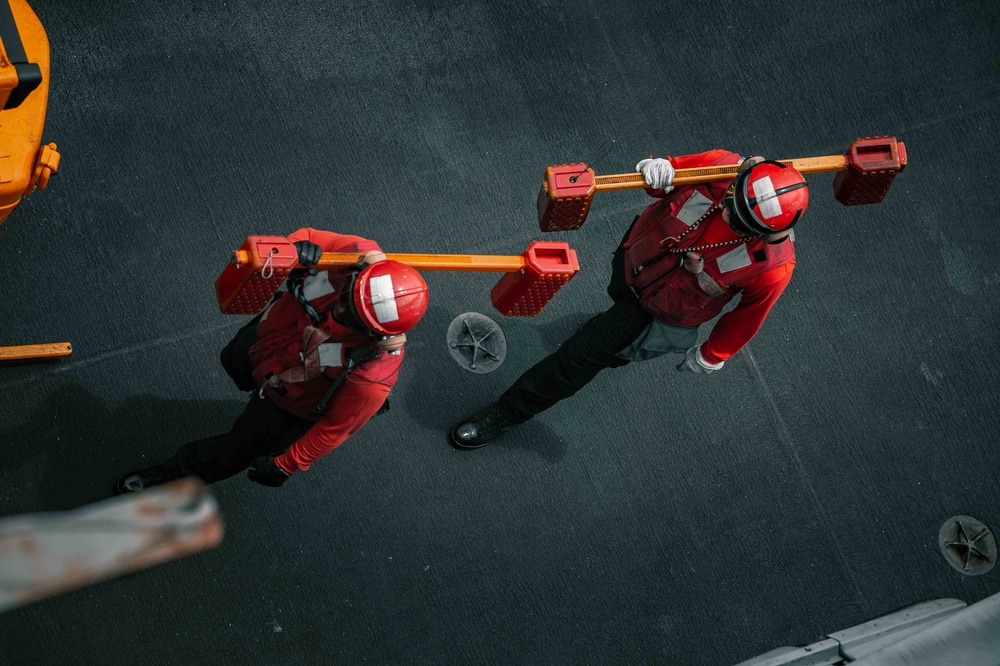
x=655, y=517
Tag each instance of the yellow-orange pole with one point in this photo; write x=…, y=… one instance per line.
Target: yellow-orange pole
x=635, y=181
x=48, y=350
x=483, y=263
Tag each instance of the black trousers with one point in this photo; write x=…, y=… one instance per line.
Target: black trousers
x=262, y=429
x=578, y=360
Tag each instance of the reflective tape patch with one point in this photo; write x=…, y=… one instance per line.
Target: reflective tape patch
x=317, y=286
x=767, y=200
x=791, y=236
x=730, y=261
x=383, y=299
x=693, y=208
x=331, y=355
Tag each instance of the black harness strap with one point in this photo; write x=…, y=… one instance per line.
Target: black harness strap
x=354, y=358
x=294, y=282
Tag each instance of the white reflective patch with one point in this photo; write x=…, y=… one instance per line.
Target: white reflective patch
x=767, y=200
x=693, y=208
x=738, y=258
x=383, y=299
x=317, y=286
x=331, y=355
x=791, y=236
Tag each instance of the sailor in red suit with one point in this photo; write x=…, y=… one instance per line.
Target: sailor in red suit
x=320, y=361
x=684, y=258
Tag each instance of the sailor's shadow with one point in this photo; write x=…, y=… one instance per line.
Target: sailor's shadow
x=83, y=444
x=534, y=436
x=436, y=392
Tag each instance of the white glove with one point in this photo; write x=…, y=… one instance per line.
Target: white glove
x=694, y=362
x=659, y=173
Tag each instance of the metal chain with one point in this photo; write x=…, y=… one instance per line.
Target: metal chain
x=735, y=241
x=675, y=250
x=711, y=209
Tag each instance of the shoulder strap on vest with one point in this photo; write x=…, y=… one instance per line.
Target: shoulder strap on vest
x=294, y=282
x=352, y=359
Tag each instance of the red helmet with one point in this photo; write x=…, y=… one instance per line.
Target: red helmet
x=389, y=297
x=766, y=198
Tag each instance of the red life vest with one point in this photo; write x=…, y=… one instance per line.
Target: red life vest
x=673, y=294
x=281, y=346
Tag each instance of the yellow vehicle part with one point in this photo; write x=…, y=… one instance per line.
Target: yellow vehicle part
x=24, y=94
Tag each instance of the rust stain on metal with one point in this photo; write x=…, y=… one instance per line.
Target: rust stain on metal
x=147, y=508
x=46, y=554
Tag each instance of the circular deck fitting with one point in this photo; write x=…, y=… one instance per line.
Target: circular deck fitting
x=968, y=545
x=476, y=342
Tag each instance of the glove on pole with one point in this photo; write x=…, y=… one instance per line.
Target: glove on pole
x=309, y=253
x=657, y=172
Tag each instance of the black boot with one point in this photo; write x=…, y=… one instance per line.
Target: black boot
x=148, y=477
x=484, y=426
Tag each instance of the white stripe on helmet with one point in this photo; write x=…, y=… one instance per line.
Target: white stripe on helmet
x=383, y=299
x=767, y=200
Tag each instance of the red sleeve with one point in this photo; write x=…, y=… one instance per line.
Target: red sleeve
x=333, y=242
x=696, y=160
x=689, y=162
x=735, y=328
x=351, y=407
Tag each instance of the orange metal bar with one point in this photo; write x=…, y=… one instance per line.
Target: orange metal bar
x=481, y=263
x=48, y=350
x=635, y=181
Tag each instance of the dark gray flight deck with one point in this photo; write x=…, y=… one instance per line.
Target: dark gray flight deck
x=656, y=517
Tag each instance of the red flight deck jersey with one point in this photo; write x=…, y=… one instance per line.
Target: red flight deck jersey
x=280, y=341
x=754, y=269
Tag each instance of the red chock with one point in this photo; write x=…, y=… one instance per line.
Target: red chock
x=872, y=164
x=548, y=266
x=565, y=197
x=259, y=267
